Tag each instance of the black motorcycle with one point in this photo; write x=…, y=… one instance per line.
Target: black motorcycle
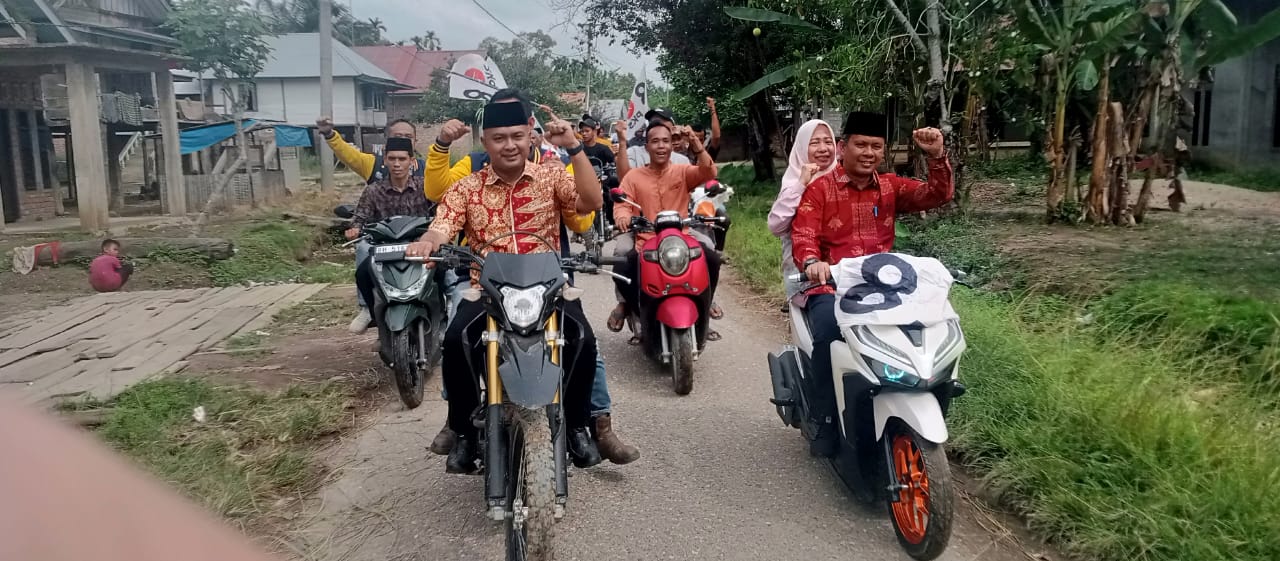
x=409, y=305
x=522, y=426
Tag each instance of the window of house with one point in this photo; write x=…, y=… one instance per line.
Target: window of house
x=374, y=98
x=1200, y=122
x=248, y=93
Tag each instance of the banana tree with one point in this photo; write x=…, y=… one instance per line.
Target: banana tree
x=1061, y=30
x=1197, y=34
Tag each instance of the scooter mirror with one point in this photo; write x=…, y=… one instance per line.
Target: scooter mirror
x=618, y=195
x=344, y=211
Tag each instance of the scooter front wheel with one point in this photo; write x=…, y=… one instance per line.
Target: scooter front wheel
x=404, y=356
x=922, y=498
x=682, y=346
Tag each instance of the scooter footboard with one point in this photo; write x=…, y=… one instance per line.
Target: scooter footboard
x=784, y=372
x=919, y=410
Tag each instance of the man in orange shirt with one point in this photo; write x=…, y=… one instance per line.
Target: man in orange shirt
x=658, y=186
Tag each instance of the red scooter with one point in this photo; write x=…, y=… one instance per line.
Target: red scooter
x=674, y=285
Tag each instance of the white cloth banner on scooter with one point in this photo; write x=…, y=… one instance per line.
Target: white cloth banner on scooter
x=892, y=289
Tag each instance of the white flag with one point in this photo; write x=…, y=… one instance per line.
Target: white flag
x=636, y=108
x=892, y=289
x=475, y=77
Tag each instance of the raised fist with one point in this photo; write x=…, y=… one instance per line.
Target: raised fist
x=453, y=130
x=929, y=140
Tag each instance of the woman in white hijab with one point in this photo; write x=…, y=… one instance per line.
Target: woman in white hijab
x=812, y=155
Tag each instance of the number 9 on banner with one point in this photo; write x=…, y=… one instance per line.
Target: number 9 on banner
x=884, y=275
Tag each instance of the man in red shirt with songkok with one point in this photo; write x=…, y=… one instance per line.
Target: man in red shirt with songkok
x=850, y=213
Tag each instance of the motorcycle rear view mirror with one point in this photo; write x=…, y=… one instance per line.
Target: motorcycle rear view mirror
x=344, y=211
x=618, y=195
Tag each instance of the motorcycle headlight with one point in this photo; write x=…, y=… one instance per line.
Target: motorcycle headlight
x=396, y=293
x=673, y=255
x=523, y=306
x=892, y=374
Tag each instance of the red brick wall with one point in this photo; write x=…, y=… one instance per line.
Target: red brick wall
x=37, y=205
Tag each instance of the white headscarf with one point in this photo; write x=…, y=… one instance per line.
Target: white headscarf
x=784, y=208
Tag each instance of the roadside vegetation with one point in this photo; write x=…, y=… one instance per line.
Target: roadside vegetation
x=1123, y=397
x=243, y=453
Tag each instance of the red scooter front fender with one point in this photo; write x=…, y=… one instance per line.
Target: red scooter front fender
x=678, y=312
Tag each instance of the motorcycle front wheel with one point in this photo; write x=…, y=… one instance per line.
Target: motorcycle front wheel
x=405, y=350
x=921, y=507
x=682, y=345
x=531, y=488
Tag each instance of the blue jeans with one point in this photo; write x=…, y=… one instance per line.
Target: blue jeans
x=600, y=402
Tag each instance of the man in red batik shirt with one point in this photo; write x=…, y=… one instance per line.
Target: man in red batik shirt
x=849, y=213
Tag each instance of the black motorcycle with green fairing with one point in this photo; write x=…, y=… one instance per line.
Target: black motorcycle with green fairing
x=409, y=305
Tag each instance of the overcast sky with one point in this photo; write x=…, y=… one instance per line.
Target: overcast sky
x=461, y=24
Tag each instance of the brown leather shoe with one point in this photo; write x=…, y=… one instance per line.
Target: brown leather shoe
x=611, y=447
x=443, y=442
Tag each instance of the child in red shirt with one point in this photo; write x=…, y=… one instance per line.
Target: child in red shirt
x=106, y=272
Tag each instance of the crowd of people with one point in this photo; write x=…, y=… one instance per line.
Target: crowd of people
x=833, y=203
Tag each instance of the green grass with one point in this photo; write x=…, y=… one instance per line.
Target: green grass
x=1108, y=448
x=251, y=449
x=1256, y=178
x=1146, y=432
x=281, y=252
x=753, y=250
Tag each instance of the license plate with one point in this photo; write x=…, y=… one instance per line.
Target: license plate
x=397, y=248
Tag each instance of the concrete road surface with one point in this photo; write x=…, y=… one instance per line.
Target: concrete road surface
x=719, y=476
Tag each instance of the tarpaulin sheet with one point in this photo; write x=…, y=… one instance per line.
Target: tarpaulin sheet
x=287, y=136
x=197, y=139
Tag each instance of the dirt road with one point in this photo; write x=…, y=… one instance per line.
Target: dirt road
x=719, y=478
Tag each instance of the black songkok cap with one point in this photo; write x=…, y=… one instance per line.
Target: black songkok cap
x=398, y=144
x=863, y=123
x=507, y=114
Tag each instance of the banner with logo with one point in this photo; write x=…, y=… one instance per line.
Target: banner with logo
x=475, y=77
x=636, y=108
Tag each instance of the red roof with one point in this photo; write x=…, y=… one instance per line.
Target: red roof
x=408, y=65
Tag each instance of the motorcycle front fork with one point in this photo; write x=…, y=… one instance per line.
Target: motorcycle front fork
x=497, y=443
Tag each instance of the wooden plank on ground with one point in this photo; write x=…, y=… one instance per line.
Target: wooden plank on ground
x=228, y=321
x=61, y=320
x=292, y=299
x=35, y=367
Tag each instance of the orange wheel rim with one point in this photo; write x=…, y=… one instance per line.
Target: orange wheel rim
x=911, y=510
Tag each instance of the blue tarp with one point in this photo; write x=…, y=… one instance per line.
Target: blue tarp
x=287, y=136
x=197, y=139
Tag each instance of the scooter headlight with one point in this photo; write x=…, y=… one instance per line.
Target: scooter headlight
x=892, y=374
x=397, y=293
x=673, y=255
x=523, y=306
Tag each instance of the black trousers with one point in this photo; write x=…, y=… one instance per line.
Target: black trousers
x=463, y=364
x=820, y=310
x=631, y=269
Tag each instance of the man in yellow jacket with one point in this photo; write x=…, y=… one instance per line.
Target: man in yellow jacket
x=440, y=176
x=368, y=166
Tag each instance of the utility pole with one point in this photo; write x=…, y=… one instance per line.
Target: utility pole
x=326, y=89
x=590, y=66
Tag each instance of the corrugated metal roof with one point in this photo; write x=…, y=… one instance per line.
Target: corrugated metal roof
x=297, y=55
x=408, y=65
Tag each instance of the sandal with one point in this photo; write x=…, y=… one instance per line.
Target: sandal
x=716, y=312
x=713, y=335
x=635, y=341
x=616, y=319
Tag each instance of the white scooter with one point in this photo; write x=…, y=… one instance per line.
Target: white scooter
x=895, y=374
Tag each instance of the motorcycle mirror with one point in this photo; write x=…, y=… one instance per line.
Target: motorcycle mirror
x=618, y=195
x=713, y=188
x=344, y=211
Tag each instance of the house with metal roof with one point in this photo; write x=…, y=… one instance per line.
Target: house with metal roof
x=81, y=81
x=412, y=66
x=288, y=88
